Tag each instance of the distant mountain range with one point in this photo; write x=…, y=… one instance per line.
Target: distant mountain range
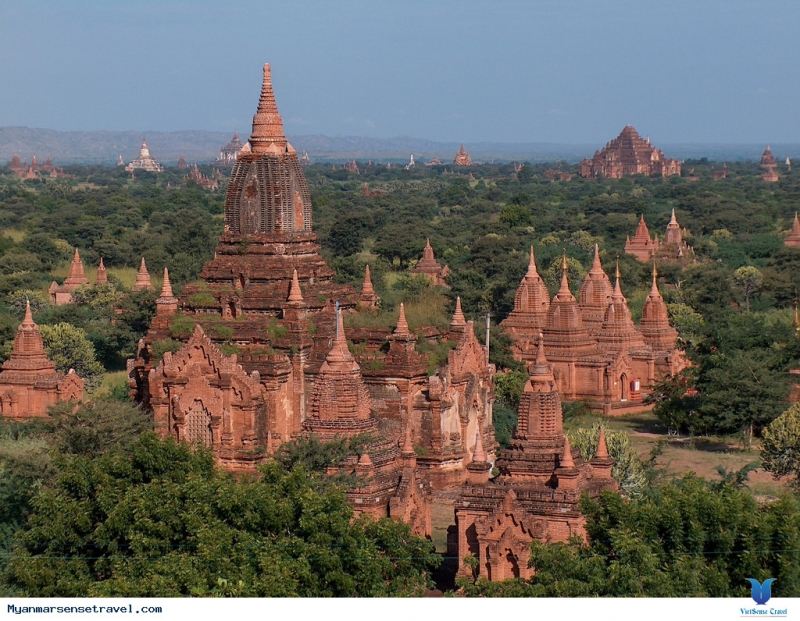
x=103, y=147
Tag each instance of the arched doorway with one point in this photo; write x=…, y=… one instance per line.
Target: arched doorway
x=624, y=387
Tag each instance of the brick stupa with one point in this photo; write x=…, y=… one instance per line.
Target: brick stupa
x=429, y=267
x=793, y=238
x=29, y=382
x=672, y=248
x=62, y=294
x=769, y=166
x=629, y=154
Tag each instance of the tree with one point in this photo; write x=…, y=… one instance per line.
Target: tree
x=628, y=469
x=780, y=446
x=749, y=279
x=69, y=348
x=158, y=519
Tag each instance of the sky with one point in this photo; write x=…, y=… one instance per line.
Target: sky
x=563, y=71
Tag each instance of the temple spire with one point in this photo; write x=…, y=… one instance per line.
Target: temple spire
x=166, y=285
x=654, y=292
x=673, y=219
x=458, y=320
x=597, y=266
x=142, y=278
x=76, y=272
x=295, y=294
x=101, y=277
x=617, y=287
x=268, y=135
x=366, y=287
x=566, y=455
x=402, y=328
x=27, y=320
x=564, y=291
x=479, y=453
x=532, y=271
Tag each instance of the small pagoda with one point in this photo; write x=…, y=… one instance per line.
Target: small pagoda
x=429, y=267
x=62, y=294
x=29, y=382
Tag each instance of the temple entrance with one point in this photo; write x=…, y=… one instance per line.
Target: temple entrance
x=624, y=388
x=512, y=565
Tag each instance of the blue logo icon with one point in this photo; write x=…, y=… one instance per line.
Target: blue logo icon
x=761, y=592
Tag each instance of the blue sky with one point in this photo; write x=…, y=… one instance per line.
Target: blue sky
x=569, y=71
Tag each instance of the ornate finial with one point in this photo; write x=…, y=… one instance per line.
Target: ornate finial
x=295, y=294
x=458, y=315
x=268, y=133
x=564, y=289
x=166, y=285
x=402, y=328
x=27, y=320
x=541, y=359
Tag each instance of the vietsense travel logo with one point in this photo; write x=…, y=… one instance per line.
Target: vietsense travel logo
x=761, y=592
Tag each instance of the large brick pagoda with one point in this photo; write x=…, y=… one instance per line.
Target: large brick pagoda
x=629, y=154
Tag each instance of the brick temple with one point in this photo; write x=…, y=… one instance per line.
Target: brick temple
x=792, y=240
x=769, y=166
x=536, y=496
x=596, y=352
x=673, y=248
x=627, y=155
x=255, y=354
x=145, y=161
x=29, y=382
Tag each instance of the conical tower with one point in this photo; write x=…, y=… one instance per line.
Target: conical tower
x=369, y=298
x=76, y=277
x=654, y=326
x=793, y=238
x=566, y=337
x=142, y=278
x=101, y=277
x=641, y=245
x=618, y=332
x=595, y=294
x=531, y=304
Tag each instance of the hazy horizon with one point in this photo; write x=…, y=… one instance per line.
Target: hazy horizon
x=560, y=72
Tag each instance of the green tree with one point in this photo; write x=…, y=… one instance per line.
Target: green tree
x=749, y=280
x=628, y=470
x=158, y=519
x=780, y=446
x=69, y=348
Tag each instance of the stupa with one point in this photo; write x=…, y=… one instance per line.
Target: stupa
x=792, y=240
x=462, y=157
x=29, y=382
x=62, y=294
x=429, y=267
x=145, y=161
x=629, y=154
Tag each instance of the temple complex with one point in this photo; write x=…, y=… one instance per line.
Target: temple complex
x=196, y=177
x=29, y=382
x=263, y=357
x=62, y=294
x=352, y=167
x=34, y=170
x=629, y=154
x=429, y=267
x=536, y=495
x=793, y=238
x=227, y=154
x=769, y=166
x=596, y=352
x=145, y=161
x=462, y=157
x=672, y=248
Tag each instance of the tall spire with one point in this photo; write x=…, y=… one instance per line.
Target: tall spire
x=597, y=266
x=27, y=320
x=564, y=292
x=532, y=271
x=566, y=455
x=479, y=453
x=602, y=447
x=366, y=287
x=268, y=135
x=167, y=303
x=340, y=355
x=617, y=287
x=673, y=219
x=654, y=292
